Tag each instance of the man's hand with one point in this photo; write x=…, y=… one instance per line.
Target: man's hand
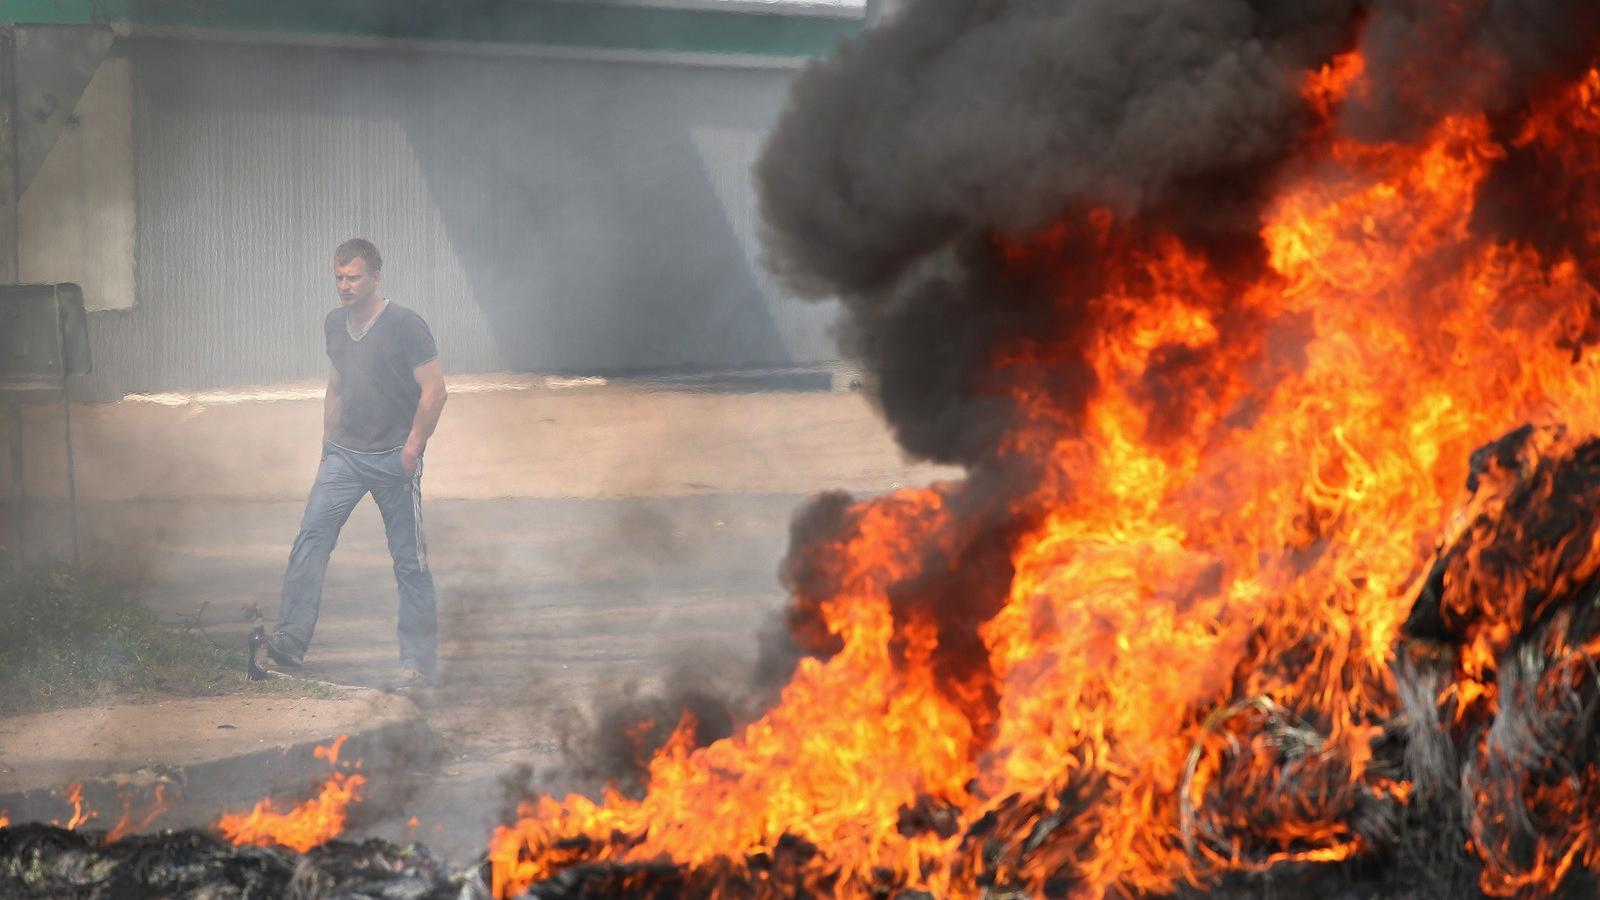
x=409, y=454
x=430, y=379
x=330, y=409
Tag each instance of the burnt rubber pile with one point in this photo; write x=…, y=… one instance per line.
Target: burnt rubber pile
x=48, y=861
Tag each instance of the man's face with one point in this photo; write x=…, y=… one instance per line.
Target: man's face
x=356, y=285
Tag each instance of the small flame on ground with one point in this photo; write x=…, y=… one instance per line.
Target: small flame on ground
x=81, y=814
x=310, y=824
x=127, y=825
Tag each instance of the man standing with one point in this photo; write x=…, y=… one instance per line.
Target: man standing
x=384, y=397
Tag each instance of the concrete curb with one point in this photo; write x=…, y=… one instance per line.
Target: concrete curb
x=198, y=793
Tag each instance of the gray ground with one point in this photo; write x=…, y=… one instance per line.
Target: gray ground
x=540, y=599
x=545, y=605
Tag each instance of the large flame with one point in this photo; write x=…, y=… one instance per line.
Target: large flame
x=311, y=823
x=1211, y=602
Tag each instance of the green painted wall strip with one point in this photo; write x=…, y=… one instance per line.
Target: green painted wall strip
x=63, y=12
x=560, y=24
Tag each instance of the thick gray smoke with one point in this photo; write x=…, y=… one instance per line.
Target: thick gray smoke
x=964, y=118
x=999, y=114
x=961, y=119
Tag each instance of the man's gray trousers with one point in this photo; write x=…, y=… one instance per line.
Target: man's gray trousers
x=344, y=477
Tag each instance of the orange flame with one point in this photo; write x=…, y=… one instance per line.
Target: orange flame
x=307, y=825
x=1212, y=601
x=81, y=814
x=127, y=824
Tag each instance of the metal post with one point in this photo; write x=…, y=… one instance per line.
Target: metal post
x=18, y=494
x=72, y=477
x=66, y=414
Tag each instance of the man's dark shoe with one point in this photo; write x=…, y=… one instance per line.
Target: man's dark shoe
x=284, y=652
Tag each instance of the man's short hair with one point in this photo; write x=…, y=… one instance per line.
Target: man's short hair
x=358, y=248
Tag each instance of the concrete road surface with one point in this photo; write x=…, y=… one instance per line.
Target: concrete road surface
x=541, y=600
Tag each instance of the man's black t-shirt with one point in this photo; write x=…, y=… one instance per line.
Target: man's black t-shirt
x=378, y=393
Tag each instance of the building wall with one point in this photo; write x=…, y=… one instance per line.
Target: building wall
x=545, y=215
x=76, y=218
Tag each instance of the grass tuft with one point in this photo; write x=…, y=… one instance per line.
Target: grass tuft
x=69, y=638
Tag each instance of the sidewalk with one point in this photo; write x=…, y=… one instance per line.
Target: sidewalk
x=206, y=755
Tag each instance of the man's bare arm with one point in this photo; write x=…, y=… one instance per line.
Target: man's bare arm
x=330, y=406
x=430, y=377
